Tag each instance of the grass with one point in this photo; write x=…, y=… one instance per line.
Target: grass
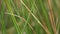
x=29, y=17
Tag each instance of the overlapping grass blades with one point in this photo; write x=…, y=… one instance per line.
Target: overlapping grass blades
x=10, y=9
x=30, y=16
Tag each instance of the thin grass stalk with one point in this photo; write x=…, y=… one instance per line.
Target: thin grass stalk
x=14, y=7
x=51, y=17
x=23, y=19
x=41, y=17
x=13, y=18
x=25, y=24
x=43, y=22
x=35, y=17
x=46, y=17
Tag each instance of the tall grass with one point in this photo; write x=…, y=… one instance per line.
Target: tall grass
x=29, y=17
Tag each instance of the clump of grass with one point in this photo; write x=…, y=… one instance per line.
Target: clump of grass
x=30, y=17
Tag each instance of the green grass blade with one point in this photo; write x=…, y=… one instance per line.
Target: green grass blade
x=13, y=18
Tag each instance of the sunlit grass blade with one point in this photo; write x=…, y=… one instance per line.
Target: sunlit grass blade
x=34, y=16
x=13, y=18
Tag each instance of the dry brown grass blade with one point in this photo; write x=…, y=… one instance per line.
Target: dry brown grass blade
x=51, y=16
x=52, y=22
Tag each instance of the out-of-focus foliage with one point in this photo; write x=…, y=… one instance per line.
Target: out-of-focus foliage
x=29, y=17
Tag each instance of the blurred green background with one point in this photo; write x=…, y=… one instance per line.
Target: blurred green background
x=29, y=16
